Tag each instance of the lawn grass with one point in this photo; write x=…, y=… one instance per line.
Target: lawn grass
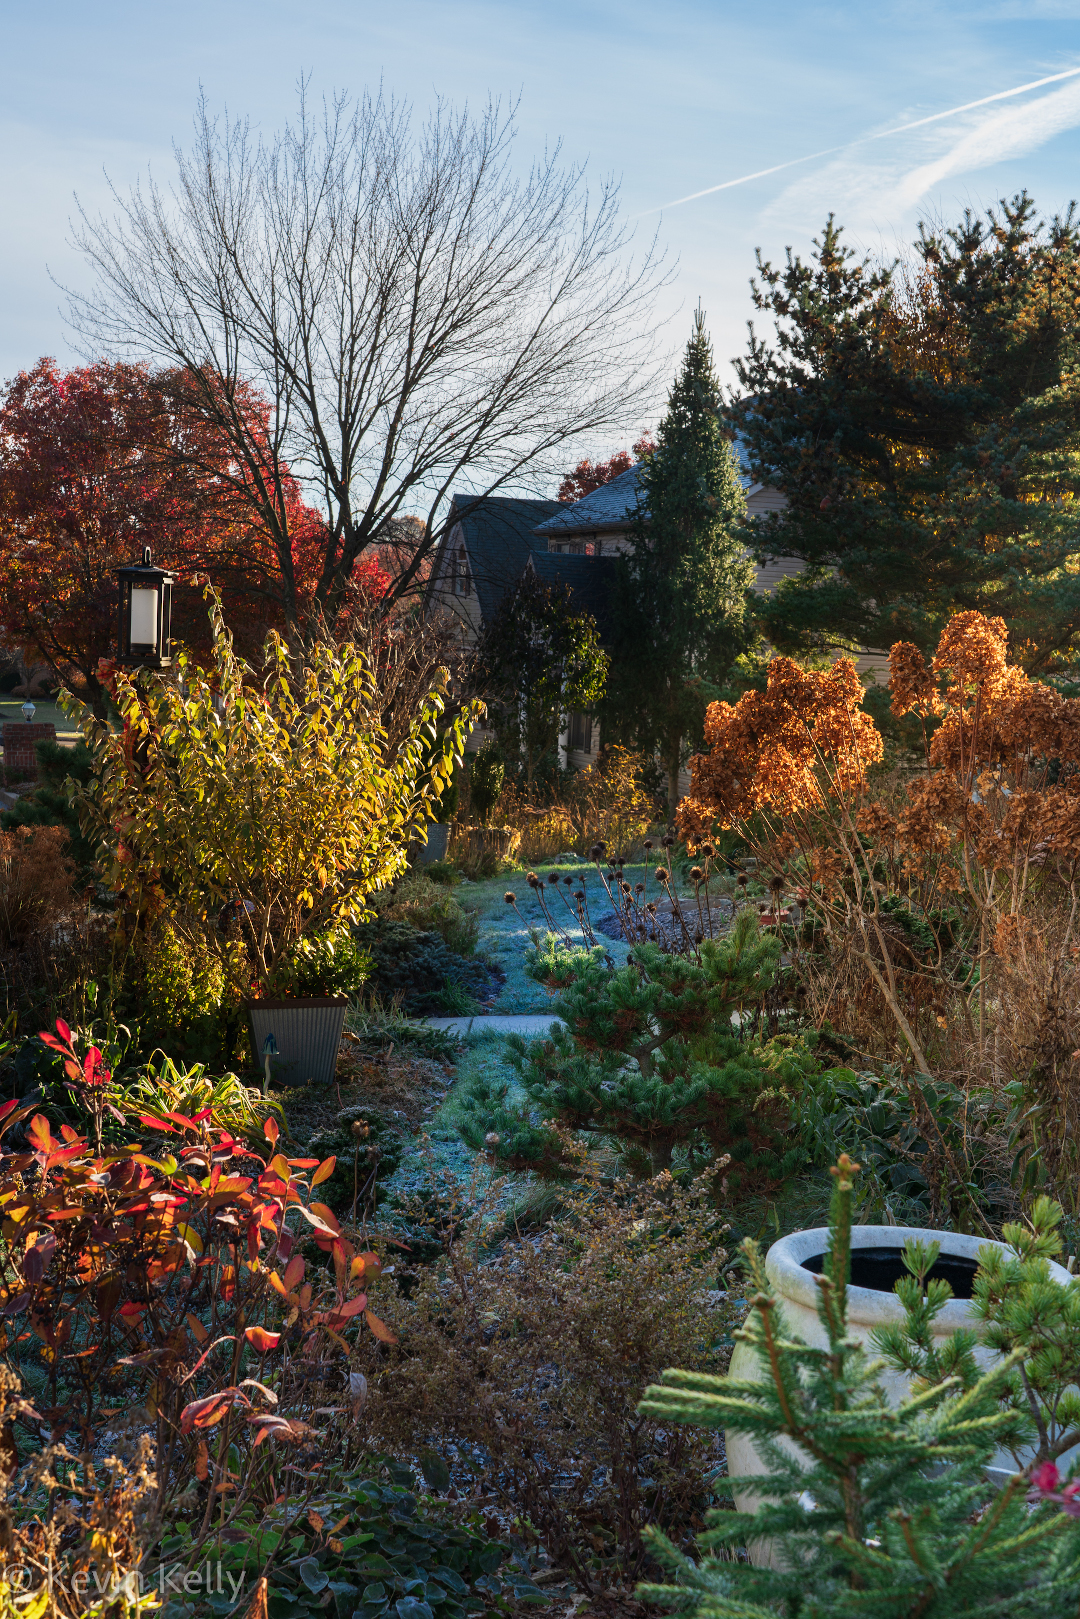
x=47, y=714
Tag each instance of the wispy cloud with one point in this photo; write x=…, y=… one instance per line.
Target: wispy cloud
x=1009, y=133
x=898, y=129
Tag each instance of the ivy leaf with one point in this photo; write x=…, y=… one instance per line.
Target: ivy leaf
x=313, y=1576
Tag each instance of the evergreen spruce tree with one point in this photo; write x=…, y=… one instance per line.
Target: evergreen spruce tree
x=680, y=594
x=882, y=1512
x=650, y=1060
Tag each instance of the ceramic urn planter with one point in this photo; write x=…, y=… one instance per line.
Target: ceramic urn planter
x=792, y=1265
x=306, y=1036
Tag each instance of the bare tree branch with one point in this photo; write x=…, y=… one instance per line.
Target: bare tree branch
x=415, y=315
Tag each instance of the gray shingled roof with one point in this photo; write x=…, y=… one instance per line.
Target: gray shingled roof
x=606, y=508
x=498, y=532
x=590, y=580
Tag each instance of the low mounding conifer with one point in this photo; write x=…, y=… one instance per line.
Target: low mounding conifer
x=880, y=1512
x=650, y=1058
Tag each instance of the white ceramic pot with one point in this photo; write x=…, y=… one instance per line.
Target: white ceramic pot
x=791, y=1265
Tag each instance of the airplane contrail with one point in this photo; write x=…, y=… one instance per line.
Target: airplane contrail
x=878, y=135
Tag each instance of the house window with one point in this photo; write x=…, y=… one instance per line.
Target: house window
x=576, y=548
x=580, y=740
x=460, y=583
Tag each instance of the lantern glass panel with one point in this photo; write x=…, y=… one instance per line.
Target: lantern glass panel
x=144, y=617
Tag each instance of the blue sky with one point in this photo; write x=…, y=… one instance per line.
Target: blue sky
x=674, y=98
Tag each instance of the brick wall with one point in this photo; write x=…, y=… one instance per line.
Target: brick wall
x=19, y=740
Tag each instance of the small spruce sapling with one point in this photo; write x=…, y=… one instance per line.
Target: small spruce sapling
x=649, y=1056
x=881, y=1511
x=1025, y=1309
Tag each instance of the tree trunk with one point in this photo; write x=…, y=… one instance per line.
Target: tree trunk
x=660, y=1149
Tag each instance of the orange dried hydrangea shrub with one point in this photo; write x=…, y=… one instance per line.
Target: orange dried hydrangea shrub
x=793, y=749
x=989, y=828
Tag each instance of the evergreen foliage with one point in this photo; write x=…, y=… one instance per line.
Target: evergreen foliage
x=1024, y=1308
x=539, y=661
x=679, y=619
x=881, y=1511
x=486, y=777
x=650, y=1057
x=922, y=424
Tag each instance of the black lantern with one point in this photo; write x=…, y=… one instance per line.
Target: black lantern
x=145, y=622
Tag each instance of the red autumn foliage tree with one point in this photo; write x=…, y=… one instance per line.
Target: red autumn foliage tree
x=590, y=475
x=99, y=462
x=88, y=476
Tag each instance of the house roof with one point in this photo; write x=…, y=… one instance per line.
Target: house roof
x=498, y=532
x=590, y=580
x=606, y=508
x=609, y=508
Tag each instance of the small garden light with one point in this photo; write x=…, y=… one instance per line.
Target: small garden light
x=28, y=711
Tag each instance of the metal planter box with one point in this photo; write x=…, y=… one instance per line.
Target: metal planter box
x=307, y=1034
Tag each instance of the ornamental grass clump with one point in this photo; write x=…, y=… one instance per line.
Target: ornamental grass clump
x=878, y=1511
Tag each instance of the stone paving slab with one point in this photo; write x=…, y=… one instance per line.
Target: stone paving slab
x=533, y=1023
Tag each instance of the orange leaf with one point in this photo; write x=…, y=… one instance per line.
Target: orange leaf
x=277, y=1284
x=379, y=1328
x=327, y=1216
x=294, y=1272
x=202, y=1461
x=258, y=1608
x=324, y=1171
x=198, y=1331
x=260, y=1339
x=345, y=1312
x=280, y=1167
x=40, y=1134
x=271, y=1131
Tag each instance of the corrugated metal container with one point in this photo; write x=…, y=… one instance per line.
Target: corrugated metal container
x=307, y=1035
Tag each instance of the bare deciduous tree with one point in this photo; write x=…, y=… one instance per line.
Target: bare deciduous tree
x=414, y=314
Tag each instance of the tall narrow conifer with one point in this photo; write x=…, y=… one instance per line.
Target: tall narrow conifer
x=680, y=595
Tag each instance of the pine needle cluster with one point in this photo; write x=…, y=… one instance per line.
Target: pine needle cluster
x=865, y=1509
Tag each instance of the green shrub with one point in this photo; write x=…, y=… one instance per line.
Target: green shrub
x=417, y=967
x=322, y=964
x=649, y=1057
x=187, y=992
x=427, y=905
x=368, y=1149
x=486, y=776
